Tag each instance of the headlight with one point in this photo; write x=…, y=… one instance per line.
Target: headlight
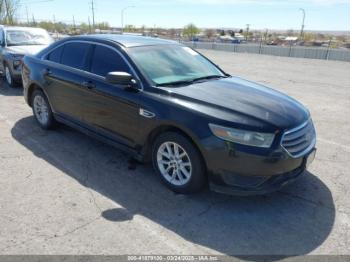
x=249, y=138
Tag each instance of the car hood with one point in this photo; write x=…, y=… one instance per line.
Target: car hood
x=242, y=102
x=26, y=49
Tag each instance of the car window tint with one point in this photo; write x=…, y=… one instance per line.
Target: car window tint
x=74, y=55
x=55, y=55
x=106, y=60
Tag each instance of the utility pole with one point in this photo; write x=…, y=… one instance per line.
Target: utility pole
x=74, y=28
x=34, y=23
x=27, y=14
x=261, y=43
x=89, y=24
x=247, y=32
x=328, y=48
x=302, y=24
x=266, y=32
x=93, y=13
x=122, y=16
x=54, y=25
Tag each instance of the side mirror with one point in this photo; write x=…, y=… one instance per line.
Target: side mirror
x=121, y=78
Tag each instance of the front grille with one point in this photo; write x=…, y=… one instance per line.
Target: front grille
x=298, y=141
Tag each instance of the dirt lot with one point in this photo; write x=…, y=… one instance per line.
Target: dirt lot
x=64, y=193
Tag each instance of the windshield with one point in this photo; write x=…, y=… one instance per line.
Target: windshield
x=27, y=36
x=165, y=64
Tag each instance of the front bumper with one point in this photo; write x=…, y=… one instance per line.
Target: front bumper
x=16, y=71
x=263, y=186
x=241, y=170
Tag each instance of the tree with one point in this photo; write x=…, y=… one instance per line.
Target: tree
x=210, y=33
x=129, y=28
x=290, y=32
x=8, y=10
x=103, y=26
x=172, y=33
x=49, y=26
x=84, y=28
x=308, y=37
x=143, y=29
x=190, y=31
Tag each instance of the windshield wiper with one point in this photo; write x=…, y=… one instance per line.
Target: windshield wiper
x=188, y=82
x=176, y=83
x=208, y=77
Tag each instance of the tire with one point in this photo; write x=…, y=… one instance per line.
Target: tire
x=183, y=172
x=8, y=76
x=42, y=110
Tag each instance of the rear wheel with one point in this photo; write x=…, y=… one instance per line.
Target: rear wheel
x=178, y=163
x=8, y=77
x=42, y=110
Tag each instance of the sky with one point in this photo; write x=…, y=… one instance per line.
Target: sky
x=260, y=14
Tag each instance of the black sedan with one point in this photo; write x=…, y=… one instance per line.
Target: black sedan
x=163, y=102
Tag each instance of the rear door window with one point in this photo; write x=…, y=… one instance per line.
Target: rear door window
x=74, y=55
x=105, y=60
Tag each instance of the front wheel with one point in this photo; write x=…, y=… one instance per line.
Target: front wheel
x=178, y=163
x=42, y=110
x=8, y=77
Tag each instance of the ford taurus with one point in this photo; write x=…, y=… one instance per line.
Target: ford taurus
x=165, y=103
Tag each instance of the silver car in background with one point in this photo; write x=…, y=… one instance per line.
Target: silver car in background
x=15, y=43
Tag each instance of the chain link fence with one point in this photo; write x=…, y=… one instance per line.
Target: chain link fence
x=287, y=51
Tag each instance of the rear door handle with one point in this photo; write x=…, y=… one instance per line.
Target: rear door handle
x=88, y=84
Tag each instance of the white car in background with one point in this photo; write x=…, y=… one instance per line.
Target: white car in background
x=15, y=43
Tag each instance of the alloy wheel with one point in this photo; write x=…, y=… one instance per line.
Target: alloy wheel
x=174, y=163
x=41, y=109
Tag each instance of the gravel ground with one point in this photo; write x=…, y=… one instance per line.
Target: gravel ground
x=62, y=192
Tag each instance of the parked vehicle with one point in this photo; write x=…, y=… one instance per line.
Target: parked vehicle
x=166, y=103
x=15, y=42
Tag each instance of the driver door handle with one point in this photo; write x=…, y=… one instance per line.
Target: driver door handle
x=47, y=72
x=88, y=84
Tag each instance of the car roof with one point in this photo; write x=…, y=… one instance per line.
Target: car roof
x=19, y=27
x=128, y=40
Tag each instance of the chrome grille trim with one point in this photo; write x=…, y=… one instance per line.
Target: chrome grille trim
x=299, y=141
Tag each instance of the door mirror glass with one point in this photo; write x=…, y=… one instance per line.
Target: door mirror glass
x=121, y=78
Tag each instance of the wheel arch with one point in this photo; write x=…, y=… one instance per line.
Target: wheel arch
x=31, y=88
x=147, y=149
